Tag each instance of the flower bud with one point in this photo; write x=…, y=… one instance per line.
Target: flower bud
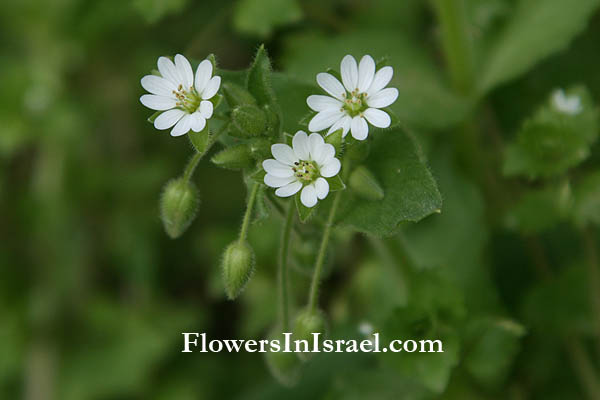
x=238, y=267
x=363, y=183
x=284, y=366
x=307, y=323
x=234, y=157
x=236, y=95
x=178, y=205
x=247, y=121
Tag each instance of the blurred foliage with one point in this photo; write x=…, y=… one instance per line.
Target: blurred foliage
x=94, y=295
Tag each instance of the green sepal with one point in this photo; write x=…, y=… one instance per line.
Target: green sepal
x=306, y=323
x=382, y=62
x=156, y=72
x=363, y=183
x=213, y=60
x=260, y=148
x=336, y=139
x=178, y=206
x=234, y=157
x=154, y=116
x=288, y=138
x=335, y=73
x=236, y=95
x=304, y=213
x=237, y=268
x=200, y=140
x=336, y=183
x=258, y=176
x=247, y=121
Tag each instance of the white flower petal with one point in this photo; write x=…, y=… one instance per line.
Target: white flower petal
x=168, y=70
x=158, y=85
x=327, y=153
x=331, y=168
x=315, y=144
x=359, y=128
x=366, y=73
x=212, y=87
x=206, y=109
x=324, y=119
x=275, y=168
x=168, y=119
x=198, y=122
x=300, y=145
x=343, y=123
x=322, y=188
x=203, y=75
x=159, y=103
x=377, y=118
x=183, y=126
x=284, y=153
x=308, y=197
x=349, y=71
x=185, y=71
x=331, y=85
x=383, y=98
x=382, y=78
x=322, y=103
x=276, y=182
x=289, y=189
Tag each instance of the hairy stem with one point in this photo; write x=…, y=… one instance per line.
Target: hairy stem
x=284, y=306
x=193, y=163
x=248, y=214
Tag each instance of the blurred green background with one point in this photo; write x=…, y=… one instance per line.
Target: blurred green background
x=94, y=296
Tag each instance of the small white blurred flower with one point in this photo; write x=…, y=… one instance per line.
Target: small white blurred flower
x=365, y=328
x=183, y=97
x=304, y=166
x=566, y=104
x=358, y=101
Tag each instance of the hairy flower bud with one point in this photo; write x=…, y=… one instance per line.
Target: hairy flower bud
x=178, y=205
x=238, y=267
x=307, y=323
x=364, y=184
x=236, y=95
x=234, y=157
x=247, y=121
x=284, y=366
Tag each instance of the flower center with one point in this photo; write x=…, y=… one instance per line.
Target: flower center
x=306, y=171
x=188, y=100
x=354, y=103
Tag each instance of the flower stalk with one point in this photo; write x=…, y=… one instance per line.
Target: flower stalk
x=284, y=306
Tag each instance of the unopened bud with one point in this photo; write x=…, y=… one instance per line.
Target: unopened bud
x=364, y=184
x=284, y=366
x=307, y=323
x=178, y=206
x=234, y=157
x=238, y=267
x=247, y=121
x=236, y=95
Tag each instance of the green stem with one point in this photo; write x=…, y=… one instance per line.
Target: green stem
x=458, y=51
x=584, y=369
x=248, y=215
x=593, y=269
x=284, y=306
x=193, y=163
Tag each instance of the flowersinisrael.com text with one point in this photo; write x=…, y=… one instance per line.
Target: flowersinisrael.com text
x=198, y=342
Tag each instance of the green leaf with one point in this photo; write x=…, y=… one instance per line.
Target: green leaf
x=262, y=17
x=154, y=10
x=411, y=193
x=586, y=208
x=364, y=184
x=552, y=141
x=304, y=213
x=536, y=29
x=336, y=183
x=200, y=140
x=425, y=100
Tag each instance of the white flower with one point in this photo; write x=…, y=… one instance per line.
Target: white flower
x=184, y=100
x=302, y=166
x=566, y=104
x=355, y=102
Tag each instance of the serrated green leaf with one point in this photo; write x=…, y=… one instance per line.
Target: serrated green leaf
x=200, y=140
x=410, y=190
x=261, y=17
x=535, y=30
x=304, y=213
x=336, y=183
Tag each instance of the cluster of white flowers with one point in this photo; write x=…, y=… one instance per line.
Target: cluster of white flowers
x=184, y=100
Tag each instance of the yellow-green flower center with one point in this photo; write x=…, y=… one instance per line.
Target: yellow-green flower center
x=306, y=171
x=187, y=100
x=354, y=103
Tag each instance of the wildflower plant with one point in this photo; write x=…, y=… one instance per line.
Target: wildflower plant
x=313, y=175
